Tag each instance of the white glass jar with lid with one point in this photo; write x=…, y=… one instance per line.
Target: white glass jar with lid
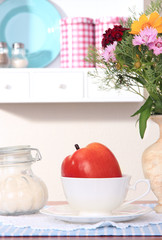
x=18, y=58
x=21, y=192
x=4, y=58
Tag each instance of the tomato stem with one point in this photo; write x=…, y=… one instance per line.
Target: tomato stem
x=77, y=146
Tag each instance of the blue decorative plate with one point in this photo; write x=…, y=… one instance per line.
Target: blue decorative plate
x=34, y=23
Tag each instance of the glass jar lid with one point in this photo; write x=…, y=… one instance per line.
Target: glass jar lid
x=18, y=45
x=19, y=154
x=3, y=45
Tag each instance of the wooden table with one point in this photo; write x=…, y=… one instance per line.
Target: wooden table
x=86, y=237
x=83, y=238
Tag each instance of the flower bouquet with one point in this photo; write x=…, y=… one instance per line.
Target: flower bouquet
x=131, y=58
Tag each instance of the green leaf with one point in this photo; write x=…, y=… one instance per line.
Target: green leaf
x=147, y=104
x=143, y=120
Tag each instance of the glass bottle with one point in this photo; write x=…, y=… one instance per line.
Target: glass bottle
x=4, y=59
x=21, y=192
x=18, y=59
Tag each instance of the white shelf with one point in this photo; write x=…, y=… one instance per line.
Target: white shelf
x=56, y=85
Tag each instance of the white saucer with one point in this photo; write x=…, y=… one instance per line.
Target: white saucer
x=65, y=213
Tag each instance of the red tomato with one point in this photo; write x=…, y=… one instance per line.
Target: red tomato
x=93, y=161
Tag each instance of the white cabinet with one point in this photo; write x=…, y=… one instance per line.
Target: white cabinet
x=56, y=85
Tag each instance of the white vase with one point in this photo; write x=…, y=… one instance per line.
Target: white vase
x=152, y=165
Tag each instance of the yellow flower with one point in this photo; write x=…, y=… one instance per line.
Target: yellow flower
x=137, y=64
x=153, y=20
x=118, y=66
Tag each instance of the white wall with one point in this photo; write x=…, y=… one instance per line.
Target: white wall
x=55, y=128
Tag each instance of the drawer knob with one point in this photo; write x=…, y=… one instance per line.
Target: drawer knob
x=8, y=87
x=62, y=86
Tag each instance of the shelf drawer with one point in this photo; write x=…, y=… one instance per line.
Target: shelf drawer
x=56, y=86
x=14, y=86
x=95, y=92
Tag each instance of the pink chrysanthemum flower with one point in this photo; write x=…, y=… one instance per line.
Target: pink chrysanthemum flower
x=108, y=53
x=156, y=46
x=146, y=36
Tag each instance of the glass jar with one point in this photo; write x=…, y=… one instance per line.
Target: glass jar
x=18, y=58
x=21, y=192
x=4, y=59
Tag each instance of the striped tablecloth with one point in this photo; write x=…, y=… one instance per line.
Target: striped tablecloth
x=149, y=230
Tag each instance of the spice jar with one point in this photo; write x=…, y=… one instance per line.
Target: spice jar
x=18, y=59
x=21, y=192
x=4, y=59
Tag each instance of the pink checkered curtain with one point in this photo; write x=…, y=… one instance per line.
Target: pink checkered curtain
x=77, y=34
